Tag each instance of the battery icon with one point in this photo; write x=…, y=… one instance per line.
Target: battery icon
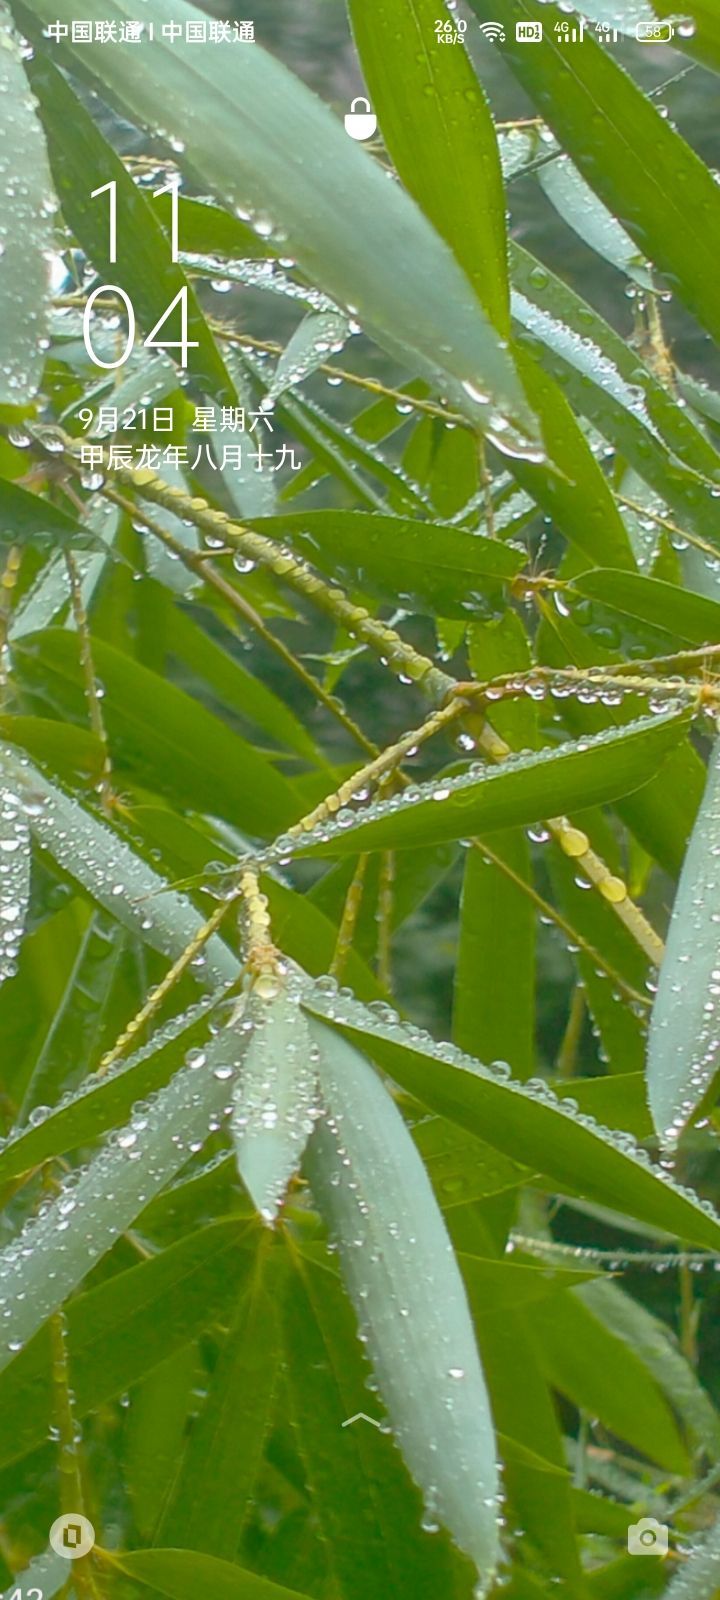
x=654, y=32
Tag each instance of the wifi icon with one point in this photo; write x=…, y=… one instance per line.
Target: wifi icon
x=493, y=31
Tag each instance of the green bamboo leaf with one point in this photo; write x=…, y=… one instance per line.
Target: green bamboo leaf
x=216, y=1474
x=532, y=1445
x=320, y=334
x=690, y=618
x=462, y=1167
x=494, y=1008
x=103, y=1102
x=368, y=1510
x=636, y=162
x=82, y=161
x=206, y=229
x=570, y=486
x=98, y=859
x=125, y=1328
x=446, y=463
x=162, y=1408
x=604, y=1376
x=259, y=139
x=580, y=340
x=521, y=790
x=72, y=1044
x=234, y=686
x=575, y=202
x=50, y=594
x=54, y=1251
x=526, y=1121
x=26, y=226
x=275, y=1097
x=403, y=1279
x=184, y=1574
x=27, y=519
x=683, y=1043
x=15, y=863
x=345, y=454
x=655, y=1345
x=161, y=734
x=450, y=151
x=431, y=563
x=622, y=1026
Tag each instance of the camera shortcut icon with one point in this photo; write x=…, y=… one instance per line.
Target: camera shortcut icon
x=72, y=1536
x=648, y=1537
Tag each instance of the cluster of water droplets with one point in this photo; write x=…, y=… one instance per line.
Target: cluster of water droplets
x=15, y=864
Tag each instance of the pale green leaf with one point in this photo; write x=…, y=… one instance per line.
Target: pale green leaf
x=403, y=1279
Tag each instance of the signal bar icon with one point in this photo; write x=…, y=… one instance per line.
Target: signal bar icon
x=493, y=31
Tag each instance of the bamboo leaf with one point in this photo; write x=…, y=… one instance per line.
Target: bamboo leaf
x=157, y=728
x=449, y=152
x=26, y=226
x=28, y=519
x=320, y=334
x=403, y=1279
x=573, y=198
x=683, y=1044
x=526, y=1121
x=98, y=859
x=103, y=1102
x=435, y=564
x=183, y=1574
x=584, y=1359
x=275, y=1099
x=54, y=1251
x=656, y=1347
x=124, y=1328
x=494, y=1010
x=691, y=618
x=570, y=486
x=216, y=1476
x=15, y=862
x=636, y=162
x=368, y=1511
x=611, y=375
x=521, y=790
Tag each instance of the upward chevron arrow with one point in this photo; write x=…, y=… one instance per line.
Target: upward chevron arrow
x=361, y=1416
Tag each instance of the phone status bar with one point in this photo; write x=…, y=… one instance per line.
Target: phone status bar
x=571, y=31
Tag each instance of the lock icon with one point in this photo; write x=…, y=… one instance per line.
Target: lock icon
x=360, y=124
